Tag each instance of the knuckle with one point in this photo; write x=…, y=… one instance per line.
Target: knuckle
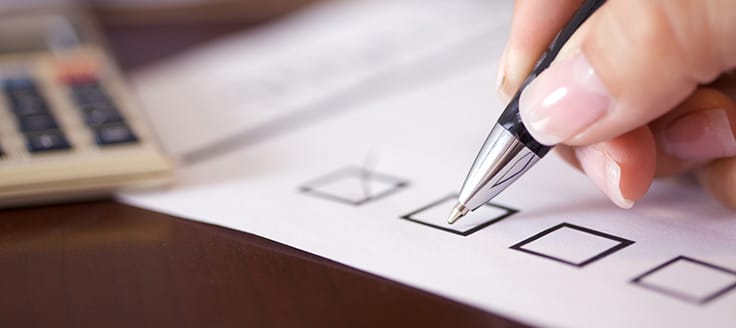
x=655, y=29
x=671, y=31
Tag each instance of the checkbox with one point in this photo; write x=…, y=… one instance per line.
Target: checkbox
x=354, y=186
x=689, y=279
x=435, y=215
x=572, y=244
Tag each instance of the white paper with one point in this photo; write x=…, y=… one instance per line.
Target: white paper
x=356, y=185
x=249, y=85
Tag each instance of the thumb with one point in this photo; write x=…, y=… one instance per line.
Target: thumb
x=637, y=60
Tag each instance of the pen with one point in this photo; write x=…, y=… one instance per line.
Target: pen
x=509, y=151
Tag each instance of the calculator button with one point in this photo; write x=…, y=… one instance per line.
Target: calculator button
x=99, y=114
x=29, y=90
x=25, y=99
x=38, y=122
x=114, y=134
x=28, y=105
x=90, y=93
x=46, y=141
x=19, y=84
x=78, y=79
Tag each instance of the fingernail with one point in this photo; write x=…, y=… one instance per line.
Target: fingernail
x=501, y=72
x=563, y=101
x=605, y=173
x=698, y=136
x=512, y=73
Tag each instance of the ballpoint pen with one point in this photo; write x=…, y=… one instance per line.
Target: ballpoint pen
x=509, y=151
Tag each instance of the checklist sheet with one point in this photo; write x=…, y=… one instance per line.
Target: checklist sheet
x=356, y=154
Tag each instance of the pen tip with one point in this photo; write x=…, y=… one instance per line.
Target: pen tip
x=458, y=211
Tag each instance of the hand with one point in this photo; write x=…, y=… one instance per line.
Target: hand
x=643, y=89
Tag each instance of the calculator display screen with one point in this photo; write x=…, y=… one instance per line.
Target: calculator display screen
x=37, y=33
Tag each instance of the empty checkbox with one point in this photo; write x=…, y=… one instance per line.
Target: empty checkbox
x=354, y=186
x=572, y=244
x=689, y=280
x=435, y=215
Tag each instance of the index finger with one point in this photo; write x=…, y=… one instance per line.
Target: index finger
x=535, y=23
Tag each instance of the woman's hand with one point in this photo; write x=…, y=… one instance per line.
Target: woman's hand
x=643, y=89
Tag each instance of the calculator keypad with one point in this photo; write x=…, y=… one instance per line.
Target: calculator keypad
x=100, y=113
x=39, y=127
x=35, y=121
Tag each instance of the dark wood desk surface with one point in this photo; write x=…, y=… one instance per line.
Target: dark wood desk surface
x=105, y=264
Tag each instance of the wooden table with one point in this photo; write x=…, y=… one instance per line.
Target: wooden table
x=105, y=264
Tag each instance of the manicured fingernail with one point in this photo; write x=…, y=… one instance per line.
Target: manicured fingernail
x=698, y=136
x=563, y=101
x=605, y=173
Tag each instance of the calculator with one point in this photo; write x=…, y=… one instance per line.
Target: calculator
x=69, y=128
